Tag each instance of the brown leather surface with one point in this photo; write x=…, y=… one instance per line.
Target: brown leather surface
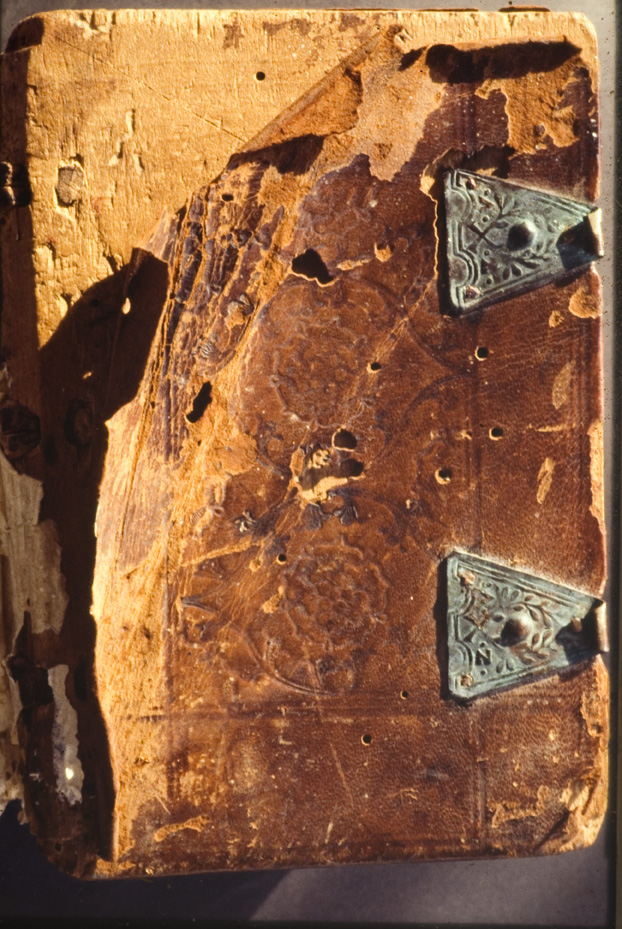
x=310, y=440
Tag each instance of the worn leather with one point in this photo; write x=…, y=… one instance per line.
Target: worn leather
x=311, y=438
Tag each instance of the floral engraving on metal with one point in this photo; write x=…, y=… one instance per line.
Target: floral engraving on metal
x=503, y=238
x=505, y=627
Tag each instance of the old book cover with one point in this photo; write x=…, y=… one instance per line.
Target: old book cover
x=303, y=534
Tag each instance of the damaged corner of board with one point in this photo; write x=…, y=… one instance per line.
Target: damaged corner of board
x=281, y=432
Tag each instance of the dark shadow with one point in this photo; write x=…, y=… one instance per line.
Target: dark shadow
x=440, y=618
x=450, y=65
x=206, y=897
x=584, y=643
x=15, y=190
x=53, y=429
x=445, y=302
x=577, y=247
x=409, y=58
x=27, y=33
x=92, y=365
x=292, y=157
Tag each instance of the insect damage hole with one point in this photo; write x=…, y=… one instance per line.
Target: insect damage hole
x=443, y=475
x=310, y=265
x=366, y=739
x=496, y=432
x=281, y=558
x=343, y=438
x=481, y=352
x=351, y=468
x=200, y=403
x=374, y=366
x=404, y=694
x=260, y=76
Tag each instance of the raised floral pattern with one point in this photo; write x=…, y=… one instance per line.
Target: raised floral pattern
x=333, y=601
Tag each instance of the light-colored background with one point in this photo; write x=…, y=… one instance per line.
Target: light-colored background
x=569, y=890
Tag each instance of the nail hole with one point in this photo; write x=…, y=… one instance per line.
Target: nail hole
x=281, y=558
x=260, y=76
x=496, y=432
x=443, y=475
x=366, y=739
x=344, y=439
x=310, y=265
x=481, y=352
x=404, y=695
x=375, y=366
x=227, y=197
x=200, y=403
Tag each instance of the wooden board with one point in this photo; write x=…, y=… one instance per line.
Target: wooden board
x=220, y=730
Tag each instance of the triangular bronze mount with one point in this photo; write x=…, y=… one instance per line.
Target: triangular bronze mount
x=506, y=627
x=503, y=238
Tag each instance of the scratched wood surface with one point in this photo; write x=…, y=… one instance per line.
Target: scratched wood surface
x=257, y=446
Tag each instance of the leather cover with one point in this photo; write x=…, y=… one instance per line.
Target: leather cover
x=314, y=434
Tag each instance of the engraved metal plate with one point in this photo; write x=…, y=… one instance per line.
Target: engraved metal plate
x=503, y=238
x=504, y=627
